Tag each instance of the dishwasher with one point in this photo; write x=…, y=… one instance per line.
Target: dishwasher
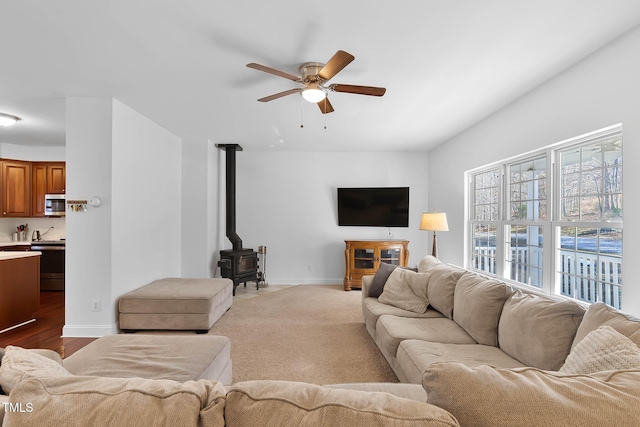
x=51, y=264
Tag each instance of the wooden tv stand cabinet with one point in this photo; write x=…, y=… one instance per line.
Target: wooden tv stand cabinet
x=363, y=257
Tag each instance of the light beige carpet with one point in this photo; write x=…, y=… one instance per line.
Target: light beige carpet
x=310, y=333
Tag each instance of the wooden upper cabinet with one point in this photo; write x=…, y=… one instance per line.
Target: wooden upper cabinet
x=47, y=178
x=56, y=178
x=15, y=188
x=38, y=188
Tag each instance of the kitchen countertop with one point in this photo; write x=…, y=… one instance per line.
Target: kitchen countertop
x=15, y=243
x=18, y=254
x=26, y=242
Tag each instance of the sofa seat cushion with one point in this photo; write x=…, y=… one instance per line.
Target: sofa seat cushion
x=415, y=356
x=392, y=330
x=287, y=403
x=91, y=401
x=478, y=304
x=486, y=396
x=19, y=364
x=604, y=349
x=168, y=357
x=600, y=314
x=373, y=309
x=539, y=331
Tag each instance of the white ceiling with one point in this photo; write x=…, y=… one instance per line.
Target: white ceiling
x=446, y=64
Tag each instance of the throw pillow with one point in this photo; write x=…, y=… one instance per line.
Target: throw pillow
x=488, y=396
x=380, y=278
x=19, y=364
x=604, y=349
x=399, y=290
x=280, y=403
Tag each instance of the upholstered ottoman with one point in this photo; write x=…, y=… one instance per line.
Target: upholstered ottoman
x=171, y=357
x=176, y=304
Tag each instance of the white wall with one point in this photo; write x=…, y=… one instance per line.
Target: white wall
x=134, y=166
x=89, y=242
x=287, y=201
x=200, y=219
x=146, y=188
x=32, y=153
x=600, y=91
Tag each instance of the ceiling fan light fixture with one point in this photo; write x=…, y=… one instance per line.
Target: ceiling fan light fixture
x=8, y=119
x=314, y=93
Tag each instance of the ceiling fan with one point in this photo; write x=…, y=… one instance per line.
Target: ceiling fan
x=314, y=75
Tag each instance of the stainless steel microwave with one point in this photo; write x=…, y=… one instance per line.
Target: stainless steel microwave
x=55, y=204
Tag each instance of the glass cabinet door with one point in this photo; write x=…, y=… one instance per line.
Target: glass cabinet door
x=363, y=258
x=390, y=256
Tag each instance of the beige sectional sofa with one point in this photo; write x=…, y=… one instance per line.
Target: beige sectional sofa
x=470, y=351
x=43, y=393
x=471, y=319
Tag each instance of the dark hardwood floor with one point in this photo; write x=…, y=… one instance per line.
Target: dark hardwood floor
x=46, y=331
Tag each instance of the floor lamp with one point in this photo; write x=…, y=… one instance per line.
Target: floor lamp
x=434, y=221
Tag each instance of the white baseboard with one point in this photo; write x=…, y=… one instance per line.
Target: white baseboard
x=308, y=281
x=88, y=331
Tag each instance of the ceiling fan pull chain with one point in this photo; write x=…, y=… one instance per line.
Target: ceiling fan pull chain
x=325, y=121
x=301, y=112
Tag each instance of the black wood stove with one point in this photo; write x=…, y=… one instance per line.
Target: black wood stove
x=238, y=264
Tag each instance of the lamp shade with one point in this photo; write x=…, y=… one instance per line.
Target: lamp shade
x=314, y=93
x=434, y=221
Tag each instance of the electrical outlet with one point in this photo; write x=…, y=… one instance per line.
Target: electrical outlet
x=95, y=305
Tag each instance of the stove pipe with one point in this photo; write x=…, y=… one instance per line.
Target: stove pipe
x=230, y=161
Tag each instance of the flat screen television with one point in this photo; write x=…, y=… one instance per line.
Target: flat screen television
x=373, y=207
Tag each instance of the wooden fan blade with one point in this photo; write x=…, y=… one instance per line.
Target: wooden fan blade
x=273, y=71
x=360, y=90
x=337, y=62
x=279, y=95
x=325, y=106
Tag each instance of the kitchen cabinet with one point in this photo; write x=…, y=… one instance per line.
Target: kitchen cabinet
x=19, y=288
x=363, y=257
x=15, y=188
x=56, y=178
x=47, y=178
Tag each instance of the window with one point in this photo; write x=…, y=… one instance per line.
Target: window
x=553, y=219
x=486, y=213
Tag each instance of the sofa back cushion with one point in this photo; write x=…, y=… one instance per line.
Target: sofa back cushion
x=407, y=290
x=442, y=284
x=477, y=305
x=427, y=263
x=538, y=331
x=600, y=314
x=280, y=403
x=96, y=401
x=487, y=396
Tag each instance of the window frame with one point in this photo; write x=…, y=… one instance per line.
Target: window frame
x=553, y=222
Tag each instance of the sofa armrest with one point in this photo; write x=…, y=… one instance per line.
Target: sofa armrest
x=366, y=285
